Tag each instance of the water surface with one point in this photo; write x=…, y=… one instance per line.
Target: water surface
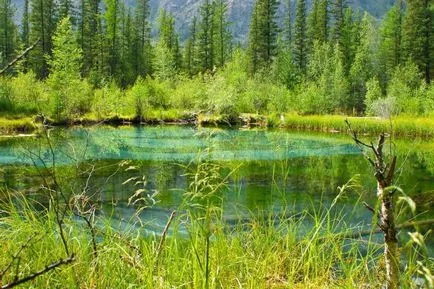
x=271, y=171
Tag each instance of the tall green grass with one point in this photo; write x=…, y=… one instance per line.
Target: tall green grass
x=401, y=126
x=257, y=254
x=20, y=125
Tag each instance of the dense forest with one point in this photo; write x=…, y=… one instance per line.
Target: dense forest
x=90, y=58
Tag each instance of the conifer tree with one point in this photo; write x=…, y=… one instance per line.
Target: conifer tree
x=364, y=66
x=25, y=30
x=91, y=36
x=190, y=51
x=263, y=34
x=313, y=24
x=254, y=38
x=8, y=32
x=167, y=56
x=323, y=20
x=43, y=23
x=143, y=60
x=391, y=38
x=205, y=36
x=338, y=20
x=288, y=24
x=222, y=36
x=111, y=18
x=65, y=10
x=300, y=45
x=418, y=31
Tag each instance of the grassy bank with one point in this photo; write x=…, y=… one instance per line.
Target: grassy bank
x=401, y=126
x=257, y=254
x=17, y=125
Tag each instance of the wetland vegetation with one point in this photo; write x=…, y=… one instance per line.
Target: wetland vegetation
x=273, y=176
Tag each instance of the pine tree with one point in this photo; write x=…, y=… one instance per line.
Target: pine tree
x=288, y=24
x=167, y=56
x=263, y=34
x=391, y=38
x=65, y=10
x=300, y=45
x=338, y=11
x=143, y=61
x=91, y=36
x=254, y=38
x=365, y=65
x=418, y=35
x=205, y=37
x=323, y=20
x=127, y=48
x=190, y=51
x=111, y=17
x=43, y=23
x=222, y=36
x=8, y=32
x=25, y=25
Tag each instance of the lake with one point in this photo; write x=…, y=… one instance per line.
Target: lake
x=268, y=171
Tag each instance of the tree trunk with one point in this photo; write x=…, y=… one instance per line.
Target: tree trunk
x=391, y=253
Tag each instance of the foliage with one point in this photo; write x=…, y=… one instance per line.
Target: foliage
x=69, y=95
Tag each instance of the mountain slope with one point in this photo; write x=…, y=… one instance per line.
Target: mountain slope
x=239, y=12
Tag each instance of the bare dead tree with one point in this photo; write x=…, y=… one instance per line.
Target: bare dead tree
x=384, y=171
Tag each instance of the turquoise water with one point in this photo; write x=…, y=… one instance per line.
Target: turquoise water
x=271, y=171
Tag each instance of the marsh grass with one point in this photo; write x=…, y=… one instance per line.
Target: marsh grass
x=401, y=126
x=303, y=251
x=16, y=125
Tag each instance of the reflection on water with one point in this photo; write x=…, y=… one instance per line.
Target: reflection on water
x=276, y=170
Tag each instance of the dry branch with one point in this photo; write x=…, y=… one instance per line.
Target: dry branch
x=48, y=268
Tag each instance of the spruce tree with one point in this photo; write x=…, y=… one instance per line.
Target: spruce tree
x=43, y=23
x=300, y=45
x=391, y=38
x=91, y=36
x=190, y=50
x=25, y=27
x=167, y=56
x=365, y=65
x=8, y=32
x=288, y=24
x=338, y=12
x=418, y=35
x=143, y=29
x=205, y=36
x=111, y=18
x=323, y=20
x=263, y=34
x=222, y=36
x=254, y=38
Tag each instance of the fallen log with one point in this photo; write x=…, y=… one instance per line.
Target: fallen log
x=12, y=63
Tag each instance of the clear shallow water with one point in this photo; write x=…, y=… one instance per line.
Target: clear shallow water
x=274, y=170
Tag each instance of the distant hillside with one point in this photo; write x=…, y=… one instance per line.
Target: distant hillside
x=239, y=12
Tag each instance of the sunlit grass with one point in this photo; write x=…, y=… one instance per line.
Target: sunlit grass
x=16, y=125
x=401, y=126
x=257, y=254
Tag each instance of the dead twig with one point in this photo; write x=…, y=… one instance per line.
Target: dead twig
x=32, y=276
x=163, y=236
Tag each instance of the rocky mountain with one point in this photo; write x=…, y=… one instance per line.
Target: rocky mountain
x=239, y=12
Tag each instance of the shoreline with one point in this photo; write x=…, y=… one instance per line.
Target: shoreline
x=401, y=126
